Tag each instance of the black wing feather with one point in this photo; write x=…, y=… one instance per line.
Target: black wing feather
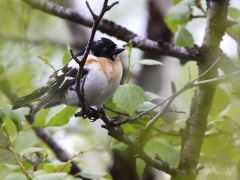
x=27, y=99
x=58, y=82
x=56, y=86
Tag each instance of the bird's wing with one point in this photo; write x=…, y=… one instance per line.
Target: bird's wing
x=58, y=82
x=27, y=99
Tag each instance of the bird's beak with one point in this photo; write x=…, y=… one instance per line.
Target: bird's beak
x=117, y=50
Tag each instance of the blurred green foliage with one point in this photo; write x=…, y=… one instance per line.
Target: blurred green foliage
x=26, y=33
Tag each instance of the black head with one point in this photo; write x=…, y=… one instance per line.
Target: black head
x=105, y=48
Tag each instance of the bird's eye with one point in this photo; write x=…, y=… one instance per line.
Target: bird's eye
x=105, y=49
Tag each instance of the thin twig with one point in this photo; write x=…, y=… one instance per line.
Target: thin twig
x=10, y=147
x=198, y=16
x=91, y=11
x=73, y=56
x=160, y=131
x=173, y=87
x=80, y=91
x=168, y=101
x=176, y=111
x=112, y=29
x=189, y=74
x=217, y=79
x=201, y=8
x=117, y=112
x=109, y=7
x=203, y=74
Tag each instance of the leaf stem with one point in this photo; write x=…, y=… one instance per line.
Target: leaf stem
x=129, y=61
x=68, y=162
x=10, y=147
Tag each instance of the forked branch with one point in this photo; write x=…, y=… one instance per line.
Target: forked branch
x=81, y=62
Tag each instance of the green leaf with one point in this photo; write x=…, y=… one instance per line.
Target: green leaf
x=117, y=145
x=149, y=96
x=172, y=24
x=147, y=106
x=128, y=97
x=67, y=56
x=212, y=124
x=183, y=38
x=62, y=117
x=234, y=13
x=78, y=160
x=179, y=124
x=14, y=115
x=220, y=101
x=24, y=140
x=140, y=164
x=41, y=118
x=2, y=117
x=176, y=1
x=110, y=104
x=53, y=111
x=56, y=116
x=149, y=62
x=128, y=128
x=129, y=46
x=57, y=167
x=164, y=150
x=211, y=146
x=92, y=175
x=15, y=176
x=10, y=166
x=46, y=61
x=40, y=157
x=234, y=112
x=181, y=11
x=226, y=127
x=107, y=177
x=52, y=176
x=235, y=29
x=28, y=151
x=179, y=14
x=39, y=173
x=10, y=129
x=189, y=2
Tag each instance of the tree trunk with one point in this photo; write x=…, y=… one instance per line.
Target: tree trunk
x=193, y=134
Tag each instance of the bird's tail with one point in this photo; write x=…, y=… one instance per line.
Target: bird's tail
x=25, y=100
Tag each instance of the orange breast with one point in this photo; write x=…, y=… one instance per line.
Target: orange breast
x=90, y=60
x=112, y=69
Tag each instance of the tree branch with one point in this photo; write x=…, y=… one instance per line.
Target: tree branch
x=193, y=134
x=79, y=88
x=112, y=29
x=169, y=100
x=118, y=134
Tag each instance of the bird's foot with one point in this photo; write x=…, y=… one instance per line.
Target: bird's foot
x=91, y=114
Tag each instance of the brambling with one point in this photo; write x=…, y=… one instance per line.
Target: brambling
x=102, y=73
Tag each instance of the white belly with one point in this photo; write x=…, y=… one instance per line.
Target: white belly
x=96, y=90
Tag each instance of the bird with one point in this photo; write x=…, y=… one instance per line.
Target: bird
x=101, y=76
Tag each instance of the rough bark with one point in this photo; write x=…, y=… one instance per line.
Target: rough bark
x=193, y=134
